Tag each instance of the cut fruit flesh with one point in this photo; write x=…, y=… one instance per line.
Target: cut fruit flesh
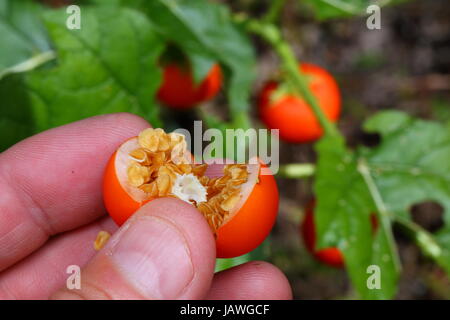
x=122, y=162
x=241, y=204
x=216, y=171
x=218, y=192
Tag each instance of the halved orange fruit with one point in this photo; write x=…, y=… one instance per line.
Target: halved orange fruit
x=239, y=202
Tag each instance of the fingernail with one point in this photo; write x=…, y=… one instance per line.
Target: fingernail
x=153, y=255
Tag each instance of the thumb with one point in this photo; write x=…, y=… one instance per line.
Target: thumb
x=164, y=251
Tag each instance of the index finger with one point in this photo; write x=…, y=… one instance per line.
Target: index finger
x=51, y=182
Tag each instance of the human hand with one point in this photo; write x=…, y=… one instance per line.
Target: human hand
x=51, y=210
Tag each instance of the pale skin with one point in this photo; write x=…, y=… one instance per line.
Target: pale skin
x=51, y=210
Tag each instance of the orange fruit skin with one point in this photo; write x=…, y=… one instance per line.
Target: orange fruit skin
x=330, y=256
x=179, y=90
x=244, y=232
x=292, y=115
x=119, y=204
x=248, y=228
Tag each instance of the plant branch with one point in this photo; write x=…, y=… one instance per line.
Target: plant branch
x=383, y=215
x=273, y=36
x=30, y=64
x=296, y=170
x=274, y=11
x=422, y=237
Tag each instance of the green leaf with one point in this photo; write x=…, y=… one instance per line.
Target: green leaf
x=16, y=122
x=23, y=37
x=201, y=66
x=258, y=254
x=109, y=65
x=343, y=219
x=443, y=240
x=329, y=9
x=206, y=33
x=224, y=264
x=441, y=110
x=412, y=166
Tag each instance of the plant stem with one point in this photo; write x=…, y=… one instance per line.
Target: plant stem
x=383, y=215
x=296, y=170
x=422, y=237
x=274, y=11
x=290, y=65
x=30, y=64
x=240, y=120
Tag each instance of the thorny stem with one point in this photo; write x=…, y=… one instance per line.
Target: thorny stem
x=273, y=36
x=274, y=11
x=382, y=213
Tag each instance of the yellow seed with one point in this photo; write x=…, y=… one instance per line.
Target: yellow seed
x=161, y=156
x=164, y=143
x=185, y=168
x=163, y=184
x=149, y=139
x=175, y=138
x=137, y=174
x=173, y=168
x=230, y=203
x=199, y=170
x=178, y=153
x=158, y=159
x=166, y=170
x=204, y=180
x=150, y=188
x=100, y=241
x=141, y=156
